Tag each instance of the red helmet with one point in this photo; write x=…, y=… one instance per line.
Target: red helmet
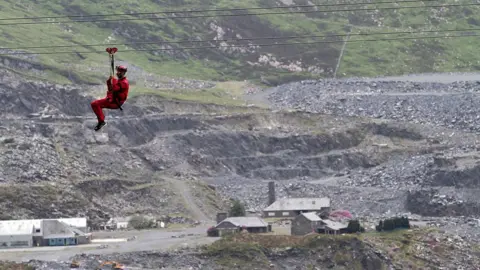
x=122, y=68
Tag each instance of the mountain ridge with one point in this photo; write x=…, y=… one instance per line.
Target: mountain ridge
x=272, y=64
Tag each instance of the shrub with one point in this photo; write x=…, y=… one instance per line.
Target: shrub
x=392, y=224
x=141, y=222
x=354, y=226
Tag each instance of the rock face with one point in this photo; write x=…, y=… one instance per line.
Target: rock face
x=121, y=170
x=450, y=105
x=372, y=167
x=438, y=179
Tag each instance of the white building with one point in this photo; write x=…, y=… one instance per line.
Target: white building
x=292, y=207
x=16, y=234
x=118, y=223
x=122, y=223
x=78, y=223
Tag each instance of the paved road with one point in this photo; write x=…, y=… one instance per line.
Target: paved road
x=146, y=241
x=431, y=77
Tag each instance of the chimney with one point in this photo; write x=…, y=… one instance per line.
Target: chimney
x=271, y=192
x=221, y=217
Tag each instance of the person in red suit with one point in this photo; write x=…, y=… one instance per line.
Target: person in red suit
x=117, y=94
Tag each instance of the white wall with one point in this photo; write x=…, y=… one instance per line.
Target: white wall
x=122, y=225
x=80, y=223
x=8, y=241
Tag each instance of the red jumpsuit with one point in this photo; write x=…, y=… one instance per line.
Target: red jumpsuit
x=117, y=89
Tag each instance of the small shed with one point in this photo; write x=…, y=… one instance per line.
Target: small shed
x=236, y=224
x=305, y=223
x=121, y=222
x=118, y=223
x=332, y=227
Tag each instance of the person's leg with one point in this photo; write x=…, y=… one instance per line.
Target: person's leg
x=98, y=106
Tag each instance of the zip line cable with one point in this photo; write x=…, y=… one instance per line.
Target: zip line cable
x=213, y=10
x=253, y=45
x=245, y=14
x=244, y=39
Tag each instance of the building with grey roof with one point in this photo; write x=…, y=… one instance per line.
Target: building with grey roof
x=305, y=223
x=58, y=233
x=16, y=235
x=236, y=224
x=332, y=227
x=43, y=232
x=292, y=207
x=79, y=223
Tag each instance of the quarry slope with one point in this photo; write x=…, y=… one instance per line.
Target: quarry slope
x=134, y=165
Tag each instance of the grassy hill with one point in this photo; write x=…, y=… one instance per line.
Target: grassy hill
x=314, y=60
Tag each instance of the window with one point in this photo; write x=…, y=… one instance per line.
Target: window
x=37, y=230
x=271, y=214
x=285, y=213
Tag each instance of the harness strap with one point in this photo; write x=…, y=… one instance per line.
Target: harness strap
x=115, y=95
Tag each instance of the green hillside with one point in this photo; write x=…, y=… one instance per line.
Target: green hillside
x=317, y=60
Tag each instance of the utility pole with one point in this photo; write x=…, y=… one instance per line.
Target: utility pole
x=341, y=51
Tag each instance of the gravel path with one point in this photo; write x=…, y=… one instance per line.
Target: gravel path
x=181, y=187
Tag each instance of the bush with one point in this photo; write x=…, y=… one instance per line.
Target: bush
x=141, y=222
x=354, y=226
x=392, y=224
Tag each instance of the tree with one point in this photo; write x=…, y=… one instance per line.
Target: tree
x=388, y=225
x=140, y=222
x=237, y=209
x=379, y=227
x=353, y=226
x=405, y=223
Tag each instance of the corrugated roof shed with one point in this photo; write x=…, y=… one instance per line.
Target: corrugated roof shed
x=292, y=204
x=75, y=222
x=312, y=216
x=334, y=225
x=16, y=228
x=245, y=221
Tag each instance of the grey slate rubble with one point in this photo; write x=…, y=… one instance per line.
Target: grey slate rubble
x=451, y=105
x=368, y=191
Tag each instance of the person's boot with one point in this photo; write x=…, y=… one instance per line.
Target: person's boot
x=99, y=126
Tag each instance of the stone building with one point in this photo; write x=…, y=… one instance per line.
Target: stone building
x=292, y=207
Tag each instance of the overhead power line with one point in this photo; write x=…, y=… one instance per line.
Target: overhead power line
x=245, y=14
x=243, y=39
x=212, y=10
x=253, y=45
